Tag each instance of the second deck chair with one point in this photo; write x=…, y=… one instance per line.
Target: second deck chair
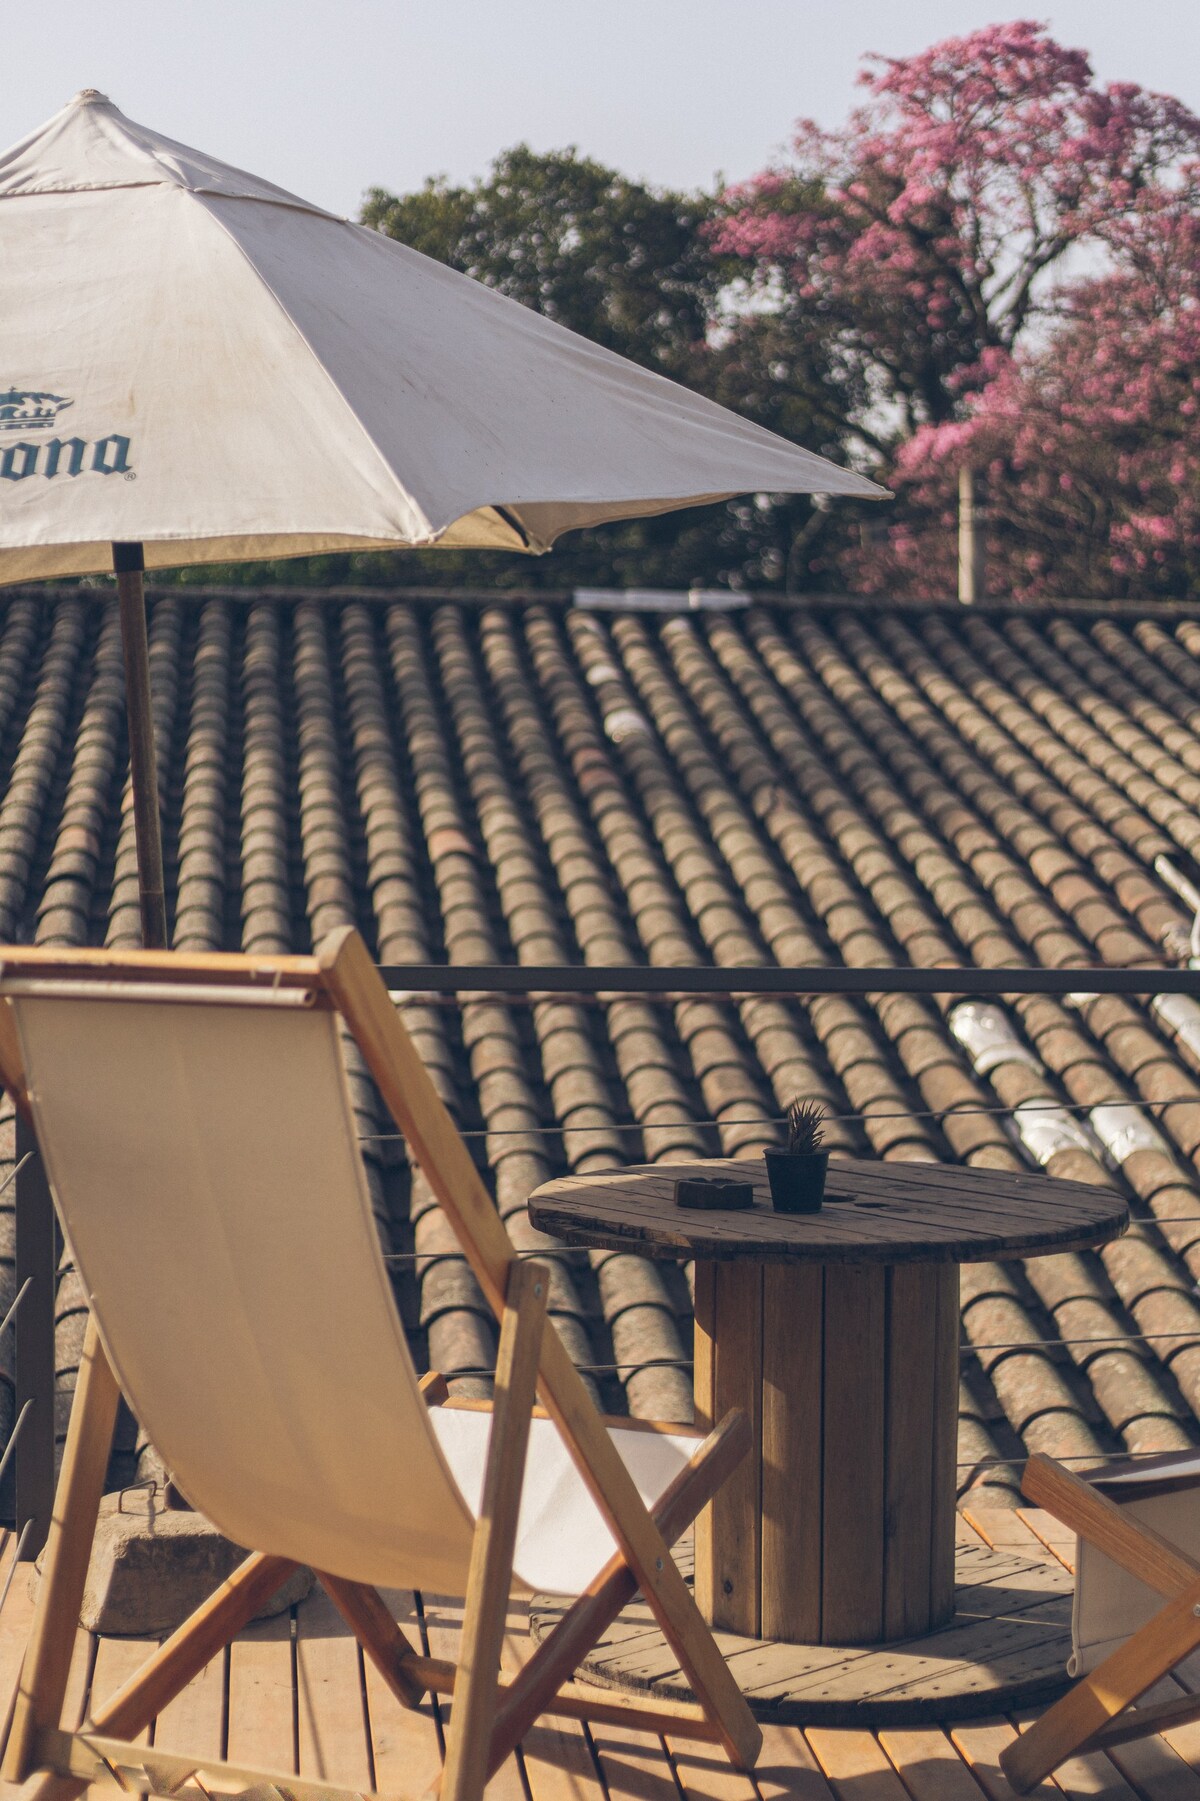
x=195, y=1121
x=1137, y=1545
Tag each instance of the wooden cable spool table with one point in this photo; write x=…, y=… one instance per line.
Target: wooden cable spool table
x=838, y=1333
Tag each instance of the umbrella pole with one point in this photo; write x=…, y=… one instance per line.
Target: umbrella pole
x=128, y=565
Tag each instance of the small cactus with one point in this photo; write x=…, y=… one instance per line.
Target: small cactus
x=806, y=1130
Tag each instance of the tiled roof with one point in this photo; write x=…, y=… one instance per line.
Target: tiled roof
x=830, y=784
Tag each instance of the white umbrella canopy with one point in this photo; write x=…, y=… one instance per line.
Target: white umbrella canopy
x=200, y=362
x=196, y=366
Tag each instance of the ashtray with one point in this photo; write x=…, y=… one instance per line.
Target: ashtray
x=713, y=1193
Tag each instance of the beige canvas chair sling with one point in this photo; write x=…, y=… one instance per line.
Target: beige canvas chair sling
x=1132, y=1526
x=196, y=1125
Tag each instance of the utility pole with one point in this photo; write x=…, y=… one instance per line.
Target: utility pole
x=970, y=540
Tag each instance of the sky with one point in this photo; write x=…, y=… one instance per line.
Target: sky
x=331, y=97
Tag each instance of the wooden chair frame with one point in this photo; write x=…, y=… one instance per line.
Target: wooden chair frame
x=1099, y=1710
x=488, y=1717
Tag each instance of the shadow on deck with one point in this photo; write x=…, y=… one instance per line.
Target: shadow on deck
x=295, y=1694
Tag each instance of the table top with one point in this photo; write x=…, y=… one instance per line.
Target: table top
x=873, y=1213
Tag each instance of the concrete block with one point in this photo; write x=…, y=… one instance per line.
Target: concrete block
x=151, y=1568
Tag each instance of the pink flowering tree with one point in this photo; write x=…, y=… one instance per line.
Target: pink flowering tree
x=923, y=231
x=1087, y=443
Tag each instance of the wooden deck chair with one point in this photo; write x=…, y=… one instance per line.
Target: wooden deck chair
x=1137, y=1546
x=196, y=1126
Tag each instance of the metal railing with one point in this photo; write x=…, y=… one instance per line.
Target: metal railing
x=30, y=1318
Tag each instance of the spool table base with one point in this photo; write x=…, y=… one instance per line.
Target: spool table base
x=1005, y=1647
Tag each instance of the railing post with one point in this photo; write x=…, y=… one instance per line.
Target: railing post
x=36, y=1258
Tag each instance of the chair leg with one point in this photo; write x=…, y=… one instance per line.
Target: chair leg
x=47, y=1662
x=490, y=1579
x=557, y=1657
x=377, y=1632
x=1106, y=1691
x=1129, y=1542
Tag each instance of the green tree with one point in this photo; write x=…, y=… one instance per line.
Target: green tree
x=623, y=264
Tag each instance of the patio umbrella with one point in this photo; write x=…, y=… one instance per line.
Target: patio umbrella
x=200, y=367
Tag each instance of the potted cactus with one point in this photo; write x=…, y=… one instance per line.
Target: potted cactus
x=797, y=1174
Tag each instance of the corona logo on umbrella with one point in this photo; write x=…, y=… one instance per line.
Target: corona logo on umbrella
x=22, y=409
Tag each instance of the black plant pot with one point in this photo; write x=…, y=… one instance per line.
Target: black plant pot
x=797, y=1182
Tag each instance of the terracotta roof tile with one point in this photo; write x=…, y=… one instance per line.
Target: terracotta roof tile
x=836, y=784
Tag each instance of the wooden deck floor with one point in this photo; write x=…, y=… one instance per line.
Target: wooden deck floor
x=294, y=1694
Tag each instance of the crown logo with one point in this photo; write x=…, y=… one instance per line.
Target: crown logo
x=21, y=409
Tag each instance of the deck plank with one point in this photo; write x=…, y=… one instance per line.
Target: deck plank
x=79, y=1680
x=355, y=1733
x=787, y=1770
x=929, y=1765
x=331, y=1711
x=194, y=1722
x=443, y=1627
x=558, y=1763
x=706, y=1774
x=15, y=1623
x=117, y=1659
x=404, y=1740
x=634, y=1764
x=1154, y=1768
x=1058, y=1539
x=1091, y=1777
x=856, y=1765
x=262, y=1698
x=979, y=1744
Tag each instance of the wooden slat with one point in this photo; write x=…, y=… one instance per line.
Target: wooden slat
x=980, y=1746
x=946, y=1371
x=856, y=1766
x=1058, y=1538
x=555, y=1753
x=913, y=1321
x=117, y=1659
x=331, y=1710
x=194, y=1722
x=787, y=1769
x=79, y=1681
x=1002, y=1528
x=853, y=1456
x=705, y=1774
x=792, y=1486
x=404, y=1740
x=634, y=1765
x=1152, y=1766
x=15, y=1623
x=558, y=1763
x=1093, y=1778
x=262, y=1697
x=928, y=1764
x=443, y=1628
x=728, y=1375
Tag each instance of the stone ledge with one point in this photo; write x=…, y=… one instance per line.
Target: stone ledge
x=151, y=1568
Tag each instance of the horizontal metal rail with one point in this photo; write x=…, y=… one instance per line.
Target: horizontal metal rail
x=619, y=981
